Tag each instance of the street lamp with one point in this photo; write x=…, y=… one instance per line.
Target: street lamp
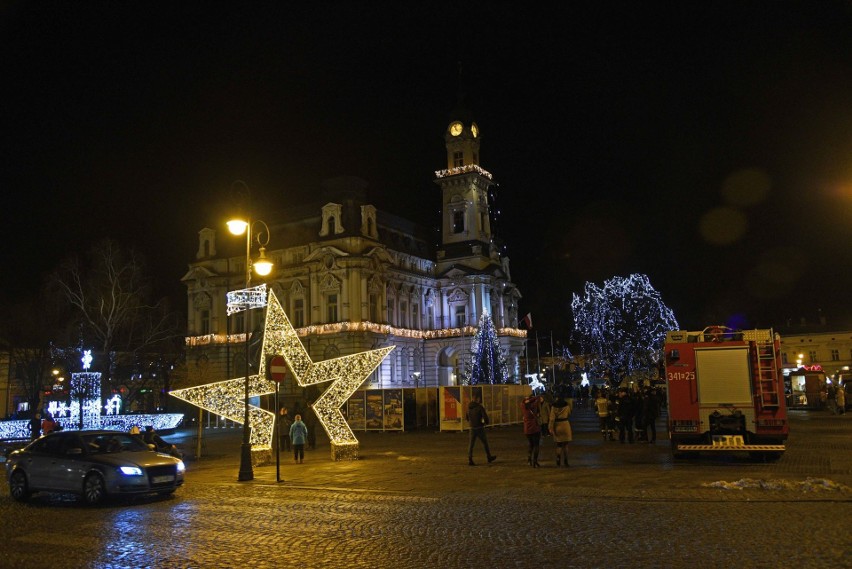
x=263, y=266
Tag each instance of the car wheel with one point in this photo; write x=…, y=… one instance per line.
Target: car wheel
x=94, y=489
x=18, y=487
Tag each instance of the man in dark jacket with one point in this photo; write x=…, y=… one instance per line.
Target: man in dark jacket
x=625, y=412
x=650, y=412
x=478, y=418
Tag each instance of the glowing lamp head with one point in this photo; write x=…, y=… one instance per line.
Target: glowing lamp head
x=263, y=266
x=237, y=226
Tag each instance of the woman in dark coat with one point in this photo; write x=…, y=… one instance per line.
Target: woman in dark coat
x=531, y=407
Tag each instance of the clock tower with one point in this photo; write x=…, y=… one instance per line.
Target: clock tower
x=466, y=239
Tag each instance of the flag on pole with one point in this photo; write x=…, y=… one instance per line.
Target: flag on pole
x=527, y=320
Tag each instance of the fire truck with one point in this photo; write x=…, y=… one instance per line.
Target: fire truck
x=725, y=392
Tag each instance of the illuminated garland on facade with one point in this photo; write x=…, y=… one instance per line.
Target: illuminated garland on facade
x=366, y=326
x=463, y=170
x=347, y=373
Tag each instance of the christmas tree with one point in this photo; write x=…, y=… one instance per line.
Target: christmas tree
x=488, y=365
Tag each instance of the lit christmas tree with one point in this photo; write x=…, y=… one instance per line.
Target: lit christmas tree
x=488, y=364
x=622, y=326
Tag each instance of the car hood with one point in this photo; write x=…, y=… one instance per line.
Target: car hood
x=144, y=459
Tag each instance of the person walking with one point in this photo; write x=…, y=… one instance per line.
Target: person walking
x=531, y=407
x=840, y=399
x=560, y=428
x=298, y=436
x=478, y=418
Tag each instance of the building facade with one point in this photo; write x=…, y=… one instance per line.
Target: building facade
x=352, y=277
x=829, y=351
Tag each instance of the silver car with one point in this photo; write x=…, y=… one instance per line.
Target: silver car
x=93, y=464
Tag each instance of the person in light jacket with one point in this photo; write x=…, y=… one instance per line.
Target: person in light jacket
x=298, y=436
x=560, y=428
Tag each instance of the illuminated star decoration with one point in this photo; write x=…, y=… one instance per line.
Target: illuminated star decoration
x=347, y=373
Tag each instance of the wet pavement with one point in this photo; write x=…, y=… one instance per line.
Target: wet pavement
x=411, y=500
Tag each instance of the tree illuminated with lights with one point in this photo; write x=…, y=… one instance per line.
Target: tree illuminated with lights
x=488, y=364
x=622, y=326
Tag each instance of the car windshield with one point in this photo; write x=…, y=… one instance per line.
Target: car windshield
x=100, y=443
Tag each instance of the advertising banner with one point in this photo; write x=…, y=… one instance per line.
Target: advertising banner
x=375, y=404
x=393, y=409
x=356, y=411
x=451, y=409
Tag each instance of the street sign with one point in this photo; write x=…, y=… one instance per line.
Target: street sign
x=277, y=368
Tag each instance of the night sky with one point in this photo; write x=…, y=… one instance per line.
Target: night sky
x=707, y=145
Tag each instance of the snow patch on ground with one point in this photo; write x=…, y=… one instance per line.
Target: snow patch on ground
x=807, y=485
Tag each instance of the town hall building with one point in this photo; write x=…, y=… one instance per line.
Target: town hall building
x=352, y=277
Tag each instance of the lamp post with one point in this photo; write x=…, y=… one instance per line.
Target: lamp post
x=262, y=267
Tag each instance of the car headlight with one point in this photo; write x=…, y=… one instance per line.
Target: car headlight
x=181, y=466
x=131, y=470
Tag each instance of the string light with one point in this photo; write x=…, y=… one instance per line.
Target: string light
x=463, y=170
x=365, y=326
x=488, y=364
x=623, y=324
x=346, y=373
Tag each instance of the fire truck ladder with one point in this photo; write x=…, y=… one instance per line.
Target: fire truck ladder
x=767, y=372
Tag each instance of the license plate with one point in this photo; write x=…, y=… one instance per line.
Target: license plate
x=162, y=479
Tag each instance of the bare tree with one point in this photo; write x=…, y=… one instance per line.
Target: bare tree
x=110, y=299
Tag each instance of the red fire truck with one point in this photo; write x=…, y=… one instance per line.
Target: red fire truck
x=725, y=392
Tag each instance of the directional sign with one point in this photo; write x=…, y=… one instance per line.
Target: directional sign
x=277, y=368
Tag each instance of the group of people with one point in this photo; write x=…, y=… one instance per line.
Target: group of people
x=632, y=414
x=540, y=418
x=43, y=425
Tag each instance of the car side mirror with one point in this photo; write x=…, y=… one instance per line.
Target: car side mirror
x=152, y=446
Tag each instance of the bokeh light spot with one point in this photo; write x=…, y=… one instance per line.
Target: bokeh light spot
x=746, y=187
x=722, y=226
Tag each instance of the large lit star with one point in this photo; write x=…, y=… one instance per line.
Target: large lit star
x=347, y=373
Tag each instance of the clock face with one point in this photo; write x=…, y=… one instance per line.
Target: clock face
x=474, y=129
x=456, y=128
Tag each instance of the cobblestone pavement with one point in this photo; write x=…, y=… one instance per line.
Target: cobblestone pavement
x=412, y=501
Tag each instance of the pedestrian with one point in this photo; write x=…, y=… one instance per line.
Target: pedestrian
x=545, y=416
x=560, y=428
x=48, y=425
x=298, y=436
x=625, y=411
x=650, y=412
x=35, y=426
x=478, y=418
x=284, y=428
x=602, y=407
x=531, y=407
x=311, y=424
x=160, y=444
x=840, y=399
